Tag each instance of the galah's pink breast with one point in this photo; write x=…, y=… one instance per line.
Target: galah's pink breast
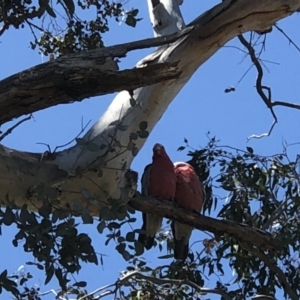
x=189, y=189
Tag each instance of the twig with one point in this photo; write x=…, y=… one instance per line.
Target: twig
x=260, y=88
x=81, y=131
x=97, y=291
x=184, y=282
x=136, y=275
x=286, y=104
x=9, y=130
x=176, y=282
x=289, y=39
x=259, y=136
x=276, y=214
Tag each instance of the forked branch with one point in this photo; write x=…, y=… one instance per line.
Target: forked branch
x=266, y=97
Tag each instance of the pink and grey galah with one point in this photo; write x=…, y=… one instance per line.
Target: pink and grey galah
x=189, y=195
x=159, y=181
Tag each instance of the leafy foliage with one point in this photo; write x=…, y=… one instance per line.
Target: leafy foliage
x=262, y=192
x=241, y=186
x=73, y=32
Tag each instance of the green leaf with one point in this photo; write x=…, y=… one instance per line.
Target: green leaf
x=121, y=248
x=134, y=12
x=87, y=218
x=133, y=136
x=8, y=217
x=135, y=151
x=45, y=210
x=121, y=239
x=130, y=237
x=132, y=102
x=126, y=255
x=70, y=6
x=105, y=213
x=61, y=279
x=20, y=235
x=81, y=284
x=55, y=216
x=113, y=225
x=139, y=248
x=143, y=125
x=228, y=188
x=131, y=220
x=250, y=150
x=130, y=21
x=166, y=256
x=101, y=226
x=49, y=274
x=143, y=134
x=130, y=146
x=49, y=10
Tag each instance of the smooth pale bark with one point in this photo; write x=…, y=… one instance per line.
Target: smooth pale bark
x=77, y=168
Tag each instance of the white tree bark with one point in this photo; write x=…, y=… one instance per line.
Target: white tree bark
x=77, y=168
x=165, y=16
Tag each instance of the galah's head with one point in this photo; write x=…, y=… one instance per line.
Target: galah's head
x=159, y=150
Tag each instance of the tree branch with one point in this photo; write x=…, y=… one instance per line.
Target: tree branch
x=176, y=282
x=137, y=275
x=81, y=75
x=10, y=130
x=260, y=89
x=241, y=232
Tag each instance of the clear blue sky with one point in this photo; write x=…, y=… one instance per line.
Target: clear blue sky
x=200, y=107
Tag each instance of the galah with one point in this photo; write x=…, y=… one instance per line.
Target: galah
x=189, y=195
x=159, y=181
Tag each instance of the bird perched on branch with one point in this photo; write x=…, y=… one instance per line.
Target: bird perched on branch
x=159, y=181
x=189, y=195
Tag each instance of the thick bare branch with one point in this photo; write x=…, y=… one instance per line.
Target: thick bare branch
x=82, y=75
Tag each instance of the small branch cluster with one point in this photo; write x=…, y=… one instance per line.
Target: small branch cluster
x=266, y=97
